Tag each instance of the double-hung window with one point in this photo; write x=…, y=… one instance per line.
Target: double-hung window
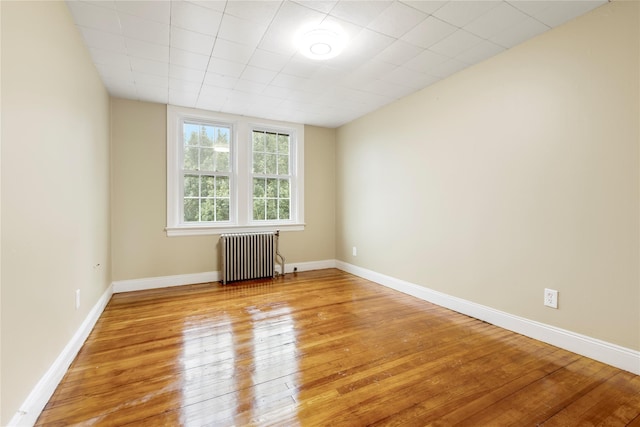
x=229, y=173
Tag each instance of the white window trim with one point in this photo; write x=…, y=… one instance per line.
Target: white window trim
x=241, y=198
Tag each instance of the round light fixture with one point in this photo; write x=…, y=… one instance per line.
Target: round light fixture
x=320, y=42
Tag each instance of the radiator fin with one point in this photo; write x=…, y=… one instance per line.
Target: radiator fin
x=247, y=256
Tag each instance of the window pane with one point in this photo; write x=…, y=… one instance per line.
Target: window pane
x=222, y=162
x=222, y=209
x=258, y=141
x=272, y=188
x=258, y=163
x=207, y=210
x=272, y=144
x=283, y=144
x=258, y=209
x=272, y=209
x=190, y=134
x=222, y=186
x=283, y=165
x=222, y=137
x=206, y=159
x=190, y=158
x=206, y=136
x=283, y=208
x=207, y=188
x=259, y=187
x=191, y=210
x=191, y=186
x=271, y=163
x=283, y=192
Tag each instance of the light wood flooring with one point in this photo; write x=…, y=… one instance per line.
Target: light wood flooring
x=324, y=348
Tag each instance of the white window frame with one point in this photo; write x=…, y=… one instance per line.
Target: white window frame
x=241, y=186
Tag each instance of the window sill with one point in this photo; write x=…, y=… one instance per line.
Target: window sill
x=206, y=231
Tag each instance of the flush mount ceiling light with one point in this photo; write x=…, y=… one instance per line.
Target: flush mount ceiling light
x=320, y=42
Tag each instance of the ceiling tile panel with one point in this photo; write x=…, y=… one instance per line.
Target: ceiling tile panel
x=188, y=59
x=183, y=85
x=153, y=93
x=142, y=29
x=367, y=43
x=375, y=68
x=182, y=98
x=108, y=57
x=278, y=41
x=232, y=51
x=147, y=50
x=121, y=89
x=429, y=32
x=191, y=41
x=196, y=18
x=447, y=68
x=217, y=5
x=517, y=34
x=150, y=79
x=187, y=74
x=409, y=78
x=159, y=10
x=426, y=60
x=460, y=13
x=258, y=75
x=288, y=81
x=301, y=67
x=495, y=21
x=249, y=87
x=562, y=11
x=103, y=40
x=399, y=52
x=279, y=92
x=218, y=80
x=114, y=73
x=142, y=65
x=456, y=43
x=359, y=12
x=427, y=7
x=259, y=11
x=90, y=15
x=319, y=5
x=226, y=68
x=396, y=20
x=478, y=53
x=241, y=30
x=271, y=61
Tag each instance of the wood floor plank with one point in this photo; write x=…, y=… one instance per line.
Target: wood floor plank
x=323, y=348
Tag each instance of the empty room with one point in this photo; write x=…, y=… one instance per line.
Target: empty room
x=314, y=213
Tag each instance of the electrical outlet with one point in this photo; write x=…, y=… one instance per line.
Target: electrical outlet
x=551, y=298
x=77, y=299
x=355, y=251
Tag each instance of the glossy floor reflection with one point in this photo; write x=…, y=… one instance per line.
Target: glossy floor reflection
x=324, y=348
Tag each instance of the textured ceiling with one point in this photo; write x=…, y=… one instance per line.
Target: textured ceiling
x=239, y=57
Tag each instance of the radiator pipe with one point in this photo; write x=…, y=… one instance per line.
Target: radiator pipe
x=278, y=255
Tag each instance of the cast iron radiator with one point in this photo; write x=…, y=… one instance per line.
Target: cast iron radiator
x=249, y=256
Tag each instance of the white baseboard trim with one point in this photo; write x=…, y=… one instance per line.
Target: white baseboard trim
x=34, y=403
x=205, y=277
x=164, y=281
x=602, y=351
x=308, y=266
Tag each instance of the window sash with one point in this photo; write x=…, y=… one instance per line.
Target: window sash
x=240, y=174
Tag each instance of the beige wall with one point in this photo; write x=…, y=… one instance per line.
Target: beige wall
x=517, y=174
x=140, y=247
x=55, y=191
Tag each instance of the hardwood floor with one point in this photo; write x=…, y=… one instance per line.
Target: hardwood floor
x=324, y=348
